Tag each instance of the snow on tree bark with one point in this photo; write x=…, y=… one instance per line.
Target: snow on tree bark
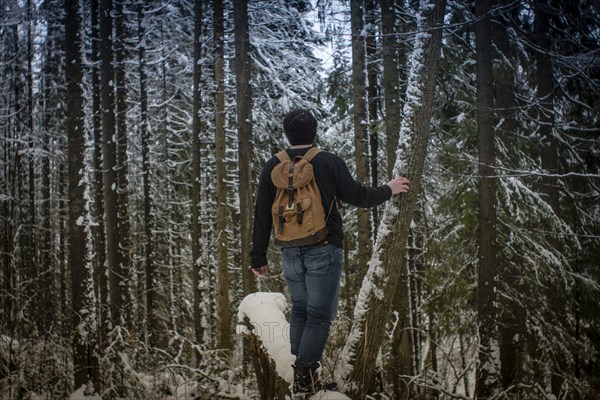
x=196, y=176
x=387, y=265
x=360, y=118
x=225, y=337
x=244, y=126
x=123, y=224
x=83, y=316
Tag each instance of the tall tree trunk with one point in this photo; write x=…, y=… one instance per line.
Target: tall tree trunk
x=372, y=96
x=388, y=263
x=360, y=118
x=549, y=156
x=38, y=308
x=390, y=80
x=225, y=334
x=488, y=369
x=98, y=230
x=402, y=343
x=83, y=314
x=511, y=315
x=123, y=225
x=109, y=159
x=244, y=125
x=52, y=123
x=196, y=176
x=10, y=209
x=545, y=82
x=99, y=227
x=149, y=266
x=244, y=103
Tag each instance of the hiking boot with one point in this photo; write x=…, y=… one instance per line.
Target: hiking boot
x=306, y=382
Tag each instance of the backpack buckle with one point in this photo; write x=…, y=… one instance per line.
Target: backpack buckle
x=299, y=213
x=281, y=220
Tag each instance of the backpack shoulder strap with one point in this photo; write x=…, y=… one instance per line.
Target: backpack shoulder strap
x=310, y=154
x=283, y=156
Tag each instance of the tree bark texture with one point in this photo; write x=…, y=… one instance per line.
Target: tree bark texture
x=390, y=80
x=545, y=83
x=123, y=225
x=30, y=270
x=98, y=231
x=549, y=156
x=149, y=263
x=488, y=370
x=109, y=157
x=52, y=92
x=244, y=127
x=196, y=175
x=372, y=96
x=225, y=334
x=270, y=385
x=388, y=263
x=83, y=308
x=360, y=122
x=511, y=319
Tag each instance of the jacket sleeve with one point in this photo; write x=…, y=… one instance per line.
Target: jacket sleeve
x=353, y=192
x=263, y=221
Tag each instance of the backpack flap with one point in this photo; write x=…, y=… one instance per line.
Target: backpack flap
x=301, y=174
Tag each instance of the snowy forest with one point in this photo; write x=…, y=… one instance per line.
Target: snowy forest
x=132, y=134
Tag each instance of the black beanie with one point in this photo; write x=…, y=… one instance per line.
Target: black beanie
x=300, y=127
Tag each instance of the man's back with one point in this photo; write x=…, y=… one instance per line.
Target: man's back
x=334, y=181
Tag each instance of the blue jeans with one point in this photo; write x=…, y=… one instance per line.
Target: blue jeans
x=313, y=277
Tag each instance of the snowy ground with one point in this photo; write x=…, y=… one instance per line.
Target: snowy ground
x=79, y=394
x=266, y=312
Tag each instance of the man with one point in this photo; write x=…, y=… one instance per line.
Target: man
x=312, y=272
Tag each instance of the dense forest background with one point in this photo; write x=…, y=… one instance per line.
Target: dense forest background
x=132, y=133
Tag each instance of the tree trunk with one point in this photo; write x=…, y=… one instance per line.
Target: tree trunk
x=39, y=309
x=511, y=316
x=10, y=175
x=390, y=81
x=372, y=96
x=244, y=126
x=109, y=159
x=53, y=122
x=225, y=334
x=195, y=204
x=545, y=82
x=549, y=156
x=83, y=315
x=123, y=225
x=98, y=214
x=270, y=384
x=360, y=118
x=388, y=263
x=433, y=345
x=416, y=269
x=62, y=274
x=151, y=317
x=488, y=369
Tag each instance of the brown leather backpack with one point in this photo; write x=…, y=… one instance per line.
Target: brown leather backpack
x=297, y=211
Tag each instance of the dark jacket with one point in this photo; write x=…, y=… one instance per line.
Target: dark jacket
x=334, y=181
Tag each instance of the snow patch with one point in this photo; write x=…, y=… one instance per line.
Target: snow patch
x=329, y=396
x=266, y=313
x=81, y=394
